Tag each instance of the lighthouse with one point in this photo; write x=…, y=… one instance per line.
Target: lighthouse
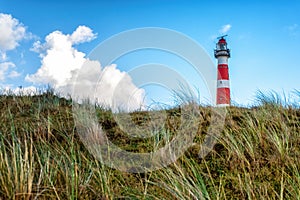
x=222, y=53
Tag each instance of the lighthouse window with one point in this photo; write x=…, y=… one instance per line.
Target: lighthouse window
x=222, y=46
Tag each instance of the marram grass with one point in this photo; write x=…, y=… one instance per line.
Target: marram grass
x=41, y=156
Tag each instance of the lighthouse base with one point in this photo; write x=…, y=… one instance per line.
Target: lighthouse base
x=223, y=105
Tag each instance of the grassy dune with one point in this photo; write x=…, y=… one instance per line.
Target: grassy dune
x=42, y=157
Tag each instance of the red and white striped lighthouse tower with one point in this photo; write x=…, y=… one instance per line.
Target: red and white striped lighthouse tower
x=222, y=53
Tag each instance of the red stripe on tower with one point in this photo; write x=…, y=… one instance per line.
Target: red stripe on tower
x=222, y=53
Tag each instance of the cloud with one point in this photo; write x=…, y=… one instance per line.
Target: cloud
x=59, y=59
x=66, y=69
x=222, y=31
x=5, y=68
x=12, y=31
x=14, y=74
x=225, y=29
x=82, y=34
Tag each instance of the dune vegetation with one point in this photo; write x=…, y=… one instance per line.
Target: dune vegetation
x=257, y=155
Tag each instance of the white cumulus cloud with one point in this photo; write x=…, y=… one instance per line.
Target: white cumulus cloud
x=66, y=69
x=225, y=29
x=12, y=31
x=82, y=34
x=59, y=59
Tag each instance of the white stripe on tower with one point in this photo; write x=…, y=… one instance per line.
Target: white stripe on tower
x=223, y=83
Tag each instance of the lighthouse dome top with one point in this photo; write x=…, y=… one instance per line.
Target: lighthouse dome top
x=222, y=40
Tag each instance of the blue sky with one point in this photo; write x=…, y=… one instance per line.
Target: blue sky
x=264, y=36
